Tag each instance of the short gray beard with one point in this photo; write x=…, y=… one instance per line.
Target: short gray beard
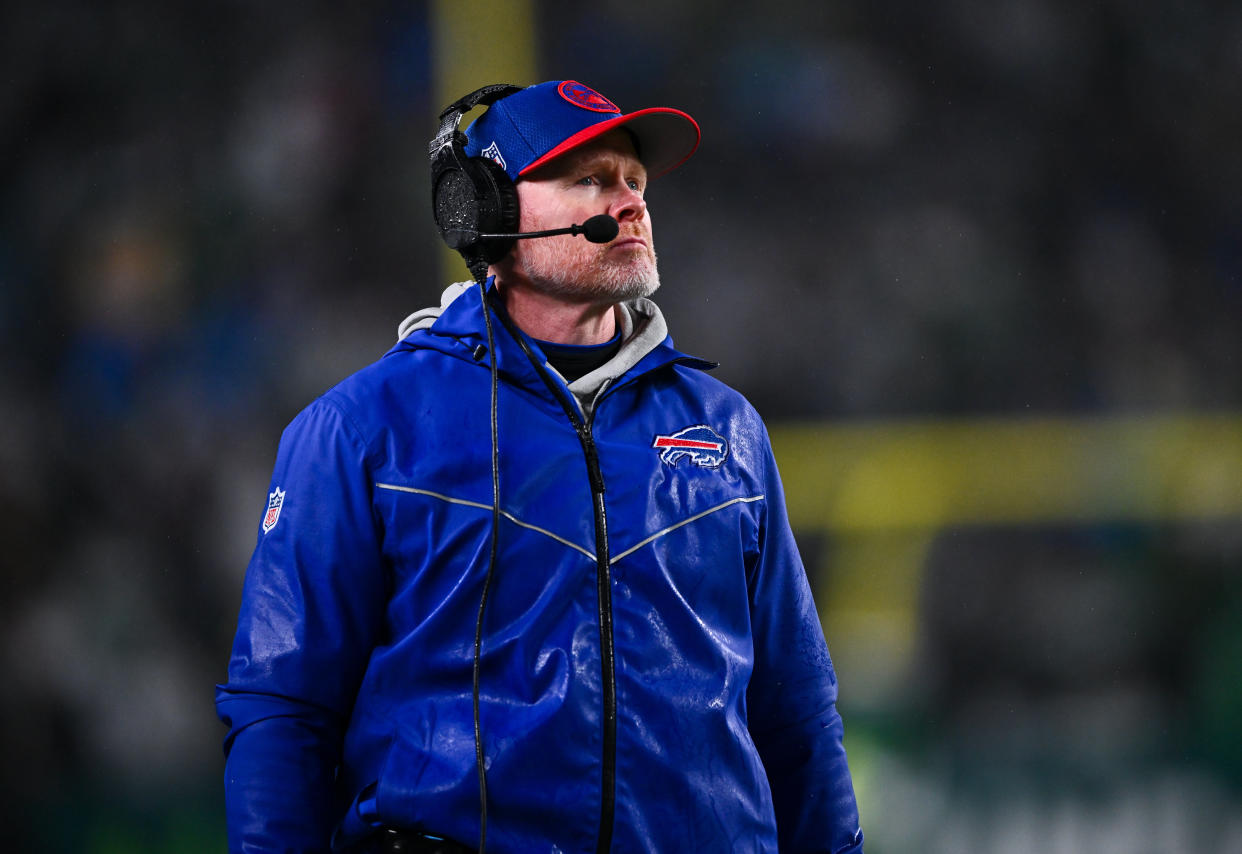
x=549, y=274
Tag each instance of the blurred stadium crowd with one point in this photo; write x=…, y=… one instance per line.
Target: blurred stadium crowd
x=212, y=212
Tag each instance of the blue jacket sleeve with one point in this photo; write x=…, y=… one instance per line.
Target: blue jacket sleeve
x=792, y=697
x=312, y=608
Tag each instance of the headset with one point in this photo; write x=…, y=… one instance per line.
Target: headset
x=471, y=196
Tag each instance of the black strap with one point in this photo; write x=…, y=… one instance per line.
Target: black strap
x=451, y=115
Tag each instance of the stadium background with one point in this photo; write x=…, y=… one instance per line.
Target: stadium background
x=978, y=264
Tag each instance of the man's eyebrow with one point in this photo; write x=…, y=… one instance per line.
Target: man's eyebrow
x=604, y=158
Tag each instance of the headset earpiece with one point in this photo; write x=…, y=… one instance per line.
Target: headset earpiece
x=471, y=195
x=473, y=198
x=502, y=192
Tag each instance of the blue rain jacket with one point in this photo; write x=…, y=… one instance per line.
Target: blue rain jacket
x=654, y=677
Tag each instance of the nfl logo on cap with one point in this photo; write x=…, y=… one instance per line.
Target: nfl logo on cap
x=492, y=153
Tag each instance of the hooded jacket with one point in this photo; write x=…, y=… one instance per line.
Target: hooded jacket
x=653, y=674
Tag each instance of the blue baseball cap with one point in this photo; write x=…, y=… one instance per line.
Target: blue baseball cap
x=540, y=123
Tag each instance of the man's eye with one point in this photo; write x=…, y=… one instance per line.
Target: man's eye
x=634, y=185
x=588, y=181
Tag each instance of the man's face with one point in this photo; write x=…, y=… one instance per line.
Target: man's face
x=604, y=176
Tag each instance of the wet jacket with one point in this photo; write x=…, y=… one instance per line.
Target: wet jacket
x=653, y=675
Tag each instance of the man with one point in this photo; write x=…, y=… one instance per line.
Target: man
x=620, y=655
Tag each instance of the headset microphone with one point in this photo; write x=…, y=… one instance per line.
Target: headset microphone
x=600, y=228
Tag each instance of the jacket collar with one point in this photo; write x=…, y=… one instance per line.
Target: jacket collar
x=460, y=332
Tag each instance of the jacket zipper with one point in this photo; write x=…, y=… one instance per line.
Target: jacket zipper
x=607, y=651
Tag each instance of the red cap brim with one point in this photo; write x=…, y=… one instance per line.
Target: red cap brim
x=666, y=139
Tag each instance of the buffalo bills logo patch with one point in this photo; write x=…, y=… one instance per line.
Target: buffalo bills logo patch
x=586, y=97
x=275, y=500
x=702, y=445
x=492, y=153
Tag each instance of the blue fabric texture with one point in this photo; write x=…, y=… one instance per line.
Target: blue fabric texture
x=348, y=700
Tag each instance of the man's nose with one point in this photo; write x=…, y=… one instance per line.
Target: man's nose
x=628, y=205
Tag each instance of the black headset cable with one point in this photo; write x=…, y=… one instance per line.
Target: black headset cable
x=491, y=565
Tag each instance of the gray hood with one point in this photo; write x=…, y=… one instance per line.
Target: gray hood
x=642, y=330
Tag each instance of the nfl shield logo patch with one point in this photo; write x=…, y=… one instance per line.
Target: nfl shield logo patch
x=492, y=152
x=275, y=500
